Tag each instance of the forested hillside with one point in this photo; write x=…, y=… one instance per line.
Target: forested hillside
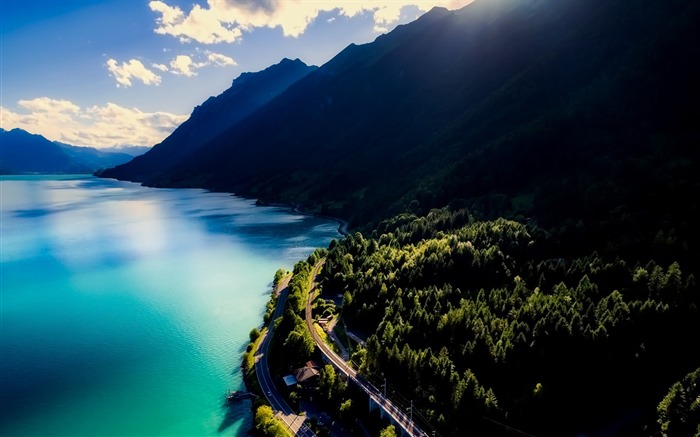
x=486, y=319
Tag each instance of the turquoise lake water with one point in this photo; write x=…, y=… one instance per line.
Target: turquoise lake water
x=125, y=310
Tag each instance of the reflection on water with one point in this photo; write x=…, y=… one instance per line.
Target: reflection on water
x=129, y=308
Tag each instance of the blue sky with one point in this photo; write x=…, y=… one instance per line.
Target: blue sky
x=113, y=72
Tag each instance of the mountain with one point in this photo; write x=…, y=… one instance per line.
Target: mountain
x=97, y=159
x=126, y=149
x=23, y=152
x=556, y=111
x=217, y=114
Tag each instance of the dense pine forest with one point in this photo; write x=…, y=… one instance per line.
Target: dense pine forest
x=492, y=320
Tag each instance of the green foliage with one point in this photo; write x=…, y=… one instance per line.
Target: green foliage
x=254, y=334
x=468, y=316
x=679, y=411
x=345, y=408
x=267, y=425
x=389, y=431
x=298, y=344
x=299, y=287
x=331, y=388
x=279, y=274
x=538, y=391
x=324, y=308
x=316, y=256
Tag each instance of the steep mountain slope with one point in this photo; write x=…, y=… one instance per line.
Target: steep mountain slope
x=565, y=112
x=23, y=152
x=415, y=114
x=247, y=93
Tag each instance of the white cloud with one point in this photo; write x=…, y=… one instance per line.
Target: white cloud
x=44, y=104
x=220, y=60
x=226, y=20
x=96, y=126
x=199, y=25
x=183, y=64
x=133, y=69
x=161, y=67
x=186, y=66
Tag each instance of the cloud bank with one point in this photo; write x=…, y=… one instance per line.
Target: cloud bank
x=95, y=126
x=224, y=21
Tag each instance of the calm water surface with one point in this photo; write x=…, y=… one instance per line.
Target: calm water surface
x=125, y=310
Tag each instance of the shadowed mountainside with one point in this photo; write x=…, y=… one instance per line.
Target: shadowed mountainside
x=248, y=92
x=561, y=111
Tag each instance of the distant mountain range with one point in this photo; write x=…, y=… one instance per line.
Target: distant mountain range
x=23, y=152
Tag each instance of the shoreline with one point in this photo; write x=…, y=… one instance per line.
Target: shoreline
x=343, y=225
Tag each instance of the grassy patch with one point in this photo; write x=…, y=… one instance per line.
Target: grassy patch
x=326, y=338
x=339, y=331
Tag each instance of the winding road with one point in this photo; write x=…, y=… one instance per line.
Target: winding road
x=284, y=412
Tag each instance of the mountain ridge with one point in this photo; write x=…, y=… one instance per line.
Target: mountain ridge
x=24, y=152
x=248, y=92
x=516, y=109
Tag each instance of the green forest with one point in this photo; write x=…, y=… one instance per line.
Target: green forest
x=492, y=321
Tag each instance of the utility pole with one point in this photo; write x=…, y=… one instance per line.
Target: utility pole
x=411, y=410
x=384, y=387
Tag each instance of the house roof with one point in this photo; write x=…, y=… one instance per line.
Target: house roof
x=305, y=373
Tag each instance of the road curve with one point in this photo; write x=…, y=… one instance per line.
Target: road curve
x=284, y=412
x=399, y=416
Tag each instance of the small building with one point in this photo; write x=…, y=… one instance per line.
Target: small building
x=303, y=375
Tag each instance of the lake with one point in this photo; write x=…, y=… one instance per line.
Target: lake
x=125, y=310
